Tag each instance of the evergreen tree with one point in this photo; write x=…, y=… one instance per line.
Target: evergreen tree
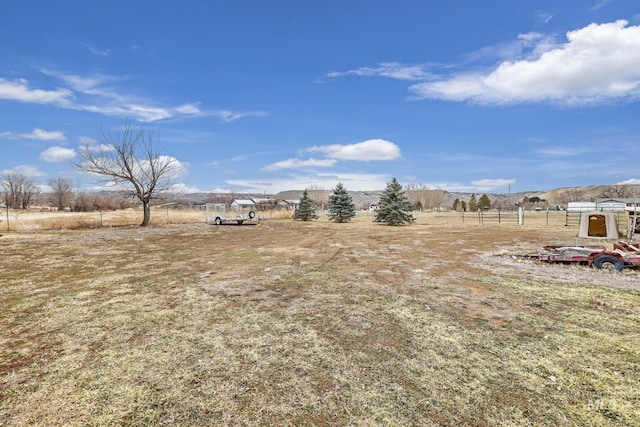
x=456, y=205
x=473, y=204
x=394, y=205
x=306, y=210
x=341, y=206
x=484, y=203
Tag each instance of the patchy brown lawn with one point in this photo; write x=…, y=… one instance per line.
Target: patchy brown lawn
x=312, y=324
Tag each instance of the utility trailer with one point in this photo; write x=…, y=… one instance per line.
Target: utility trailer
x=622, y=255
x=216, y=214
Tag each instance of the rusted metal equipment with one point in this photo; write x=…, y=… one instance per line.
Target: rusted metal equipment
x=623, y=255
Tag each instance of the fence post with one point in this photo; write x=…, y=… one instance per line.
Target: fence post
x=547, y=216
x=520, y=215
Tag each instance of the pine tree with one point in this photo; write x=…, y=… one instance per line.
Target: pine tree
x=394, y=205
x=306, y=210
x=341, y=206
x=473, y=204
x=484, y=203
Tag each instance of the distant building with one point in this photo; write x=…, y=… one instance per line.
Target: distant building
x=602, y=205
x=276, y=204
x=264, y=204
x=239, y=204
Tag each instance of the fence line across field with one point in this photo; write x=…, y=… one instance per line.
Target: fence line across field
x=19, y=220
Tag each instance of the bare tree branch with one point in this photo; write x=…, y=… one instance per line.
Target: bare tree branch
x=131, y=162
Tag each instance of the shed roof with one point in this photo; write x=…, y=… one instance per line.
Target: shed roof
x=243, y=202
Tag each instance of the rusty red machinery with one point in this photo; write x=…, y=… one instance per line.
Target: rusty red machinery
x=622, y=255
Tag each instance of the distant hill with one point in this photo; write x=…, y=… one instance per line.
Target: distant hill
x=363, y=199
x=558, y=196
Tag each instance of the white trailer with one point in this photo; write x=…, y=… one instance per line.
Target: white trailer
x=215, y=214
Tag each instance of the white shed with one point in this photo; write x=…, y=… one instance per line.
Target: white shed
x=239, y=204
x=581, y=206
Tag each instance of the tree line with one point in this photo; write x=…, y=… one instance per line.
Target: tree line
x=17, y=191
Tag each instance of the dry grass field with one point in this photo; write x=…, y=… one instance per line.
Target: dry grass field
x=293, y=323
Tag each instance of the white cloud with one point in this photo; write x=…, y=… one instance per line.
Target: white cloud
x=230, y=116
x=44, y=135
x=28, y=171
x=93, y=84
x=599, y=5
x=102, y=97
x=19, y=90
x=175, y=168
x=527, y=46
x=88, y=140
x=178, y=168
x=492, y=184
x=564, y=151
x=545, y=16
x=352, y=182
x=300, y=164
x=96, y=51
x=598, y=63
x=478, y=186
x=57, y=154
x=366, y=151
x=183, y=188
x=632, y=181
x=392, y=70
x=39, y=134
x=189, y=109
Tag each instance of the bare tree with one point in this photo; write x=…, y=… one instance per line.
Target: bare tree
x=432, y=199
x=319, y=195
x=18, y=190
x=84, y=202
x=61, y=192
x=426, y=197
x=131, y=162
x=616, y=191
x=412, y=192
x=573, y=194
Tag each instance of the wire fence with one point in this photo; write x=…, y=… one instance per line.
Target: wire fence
x=21, y=220
x=29, y=220
x=490, y=217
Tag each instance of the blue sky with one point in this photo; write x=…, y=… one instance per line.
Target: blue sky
x=264, y=96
